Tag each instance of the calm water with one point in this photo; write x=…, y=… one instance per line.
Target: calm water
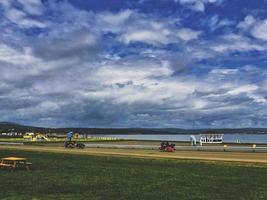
x=243, y=138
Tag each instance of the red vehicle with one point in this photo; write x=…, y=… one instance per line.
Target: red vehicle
x=166, y=147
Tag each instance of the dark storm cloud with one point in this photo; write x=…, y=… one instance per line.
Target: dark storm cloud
x=79, y=43
x=9, y=103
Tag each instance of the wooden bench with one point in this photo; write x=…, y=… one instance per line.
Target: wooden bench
x=9, y=166
x=15, y=163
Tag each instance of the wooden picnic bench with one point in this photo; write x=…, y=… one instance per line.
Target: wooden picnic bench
x=15, y=163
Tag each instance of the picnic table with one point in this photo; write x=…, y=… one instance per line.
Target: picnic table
x=15, y=163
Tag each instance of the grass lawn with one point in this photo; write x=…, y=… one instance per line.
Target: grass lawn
x=61, y=176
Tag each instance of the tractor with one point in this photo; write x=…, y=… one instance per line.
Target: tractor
x=167, y=147
x=73, y=144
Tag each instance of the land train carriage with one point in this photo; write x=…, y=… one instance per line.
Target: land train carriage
x=211, y=139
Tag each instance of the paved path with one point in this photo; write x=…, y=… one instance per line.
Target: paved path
x=240, y=157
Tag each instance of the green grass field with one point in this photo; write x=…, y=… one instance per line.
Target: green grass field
x=60, y=176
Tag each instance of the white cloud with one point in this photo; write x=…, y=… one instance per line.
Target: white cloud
x=33, y=7
x=258, y=98
x=115, y=19
x=11, y=55
x=21, y=17
x=247, y=23
x=134, y=31
x=224, y=71
x=139, y=86
x=198, y=5
x=215, y=22
x=114, y=22
x=243, y=89
x=146, y=36
x=158, y=33
x=132, y=26
x=136, y=72
x=256, y=27
x=260, y=30
x=234, y=42
x=187, y=34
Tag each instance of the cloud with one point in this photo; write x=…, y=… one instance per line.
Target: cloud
x=152, y=30
x=126, y=68
x=260, y=30
x=198, y=5
x=22, y=16
x=79, y=43
x=114, y=19
x=129, y=93
x=256, y=27
x=247, y=23
x=243, y=89
x=224, y=71
x=234, y=42
x=146, y=36
x=188, y=34
x=215, y=23
x=130, y=26
x=32, y=7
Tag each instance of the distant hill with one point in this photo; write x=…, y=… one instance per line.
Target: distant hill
x=14, y=127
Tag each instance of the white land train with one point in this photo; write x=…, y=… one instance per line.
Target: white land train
x=211, y=139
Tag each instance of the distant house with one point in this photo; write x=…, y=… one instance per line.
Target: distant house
x=28, y=136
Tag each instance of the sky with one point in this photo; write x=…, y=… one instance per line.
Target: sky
x=134, y=63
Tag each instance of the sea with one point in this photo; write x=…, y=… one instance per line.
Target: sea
x=227, y=138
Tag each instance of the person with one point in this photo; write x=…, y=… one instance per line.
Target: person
x=167, y=144
x=163, y=146
x=69, y=136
